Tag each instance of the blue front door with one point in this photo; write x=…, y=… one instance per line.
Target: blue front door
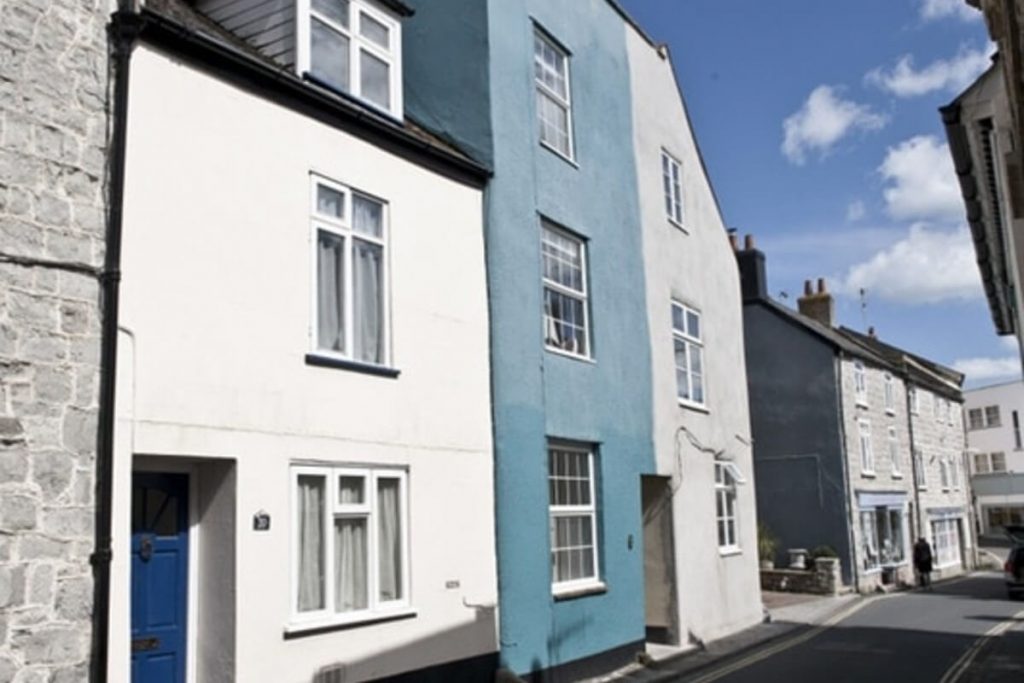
x=159, y=577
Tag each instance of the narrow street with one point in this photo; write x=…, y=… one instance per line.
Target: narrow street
x=907, y=637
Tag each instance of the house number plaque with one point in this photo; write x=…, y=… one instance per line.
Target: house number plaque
x=261, y=521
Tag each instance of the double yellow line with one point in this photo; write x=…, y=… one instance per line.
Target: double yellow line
x=961, y=665
x=786, y=644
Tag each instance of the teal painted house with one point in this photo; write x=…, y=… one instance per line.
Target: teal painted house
x=538, y=91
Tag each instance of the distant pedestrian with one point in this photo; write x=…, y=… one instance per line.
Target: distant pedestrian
x=923, y=563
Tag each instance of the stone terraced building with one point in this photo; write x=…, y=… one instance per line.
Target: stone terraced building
x=53, y=128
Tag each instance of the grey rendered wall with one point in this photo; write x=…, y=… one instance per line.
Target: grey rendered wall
x=53, y=72
x=794, y=414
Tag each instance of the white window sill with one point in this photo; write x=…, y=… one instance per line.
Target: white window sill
x=569, y=354
x=692, y=405
x=890, y=411
x=578, y=590
x=327, y=625
x=897, y=475
x=560, y=154
x=870, y=474
x=676, y=224
x=729, y=550
x=862, y=403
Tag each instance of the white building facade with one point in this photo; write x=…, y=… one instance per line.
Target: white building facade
x=995, y=454
x=304, y=473
x=700, y=535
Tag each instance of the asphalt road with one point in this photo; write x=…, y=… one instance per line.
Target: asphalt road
x=924, y=637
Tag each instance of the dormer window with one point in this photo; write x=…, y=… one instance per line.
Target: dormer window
x=353, y=46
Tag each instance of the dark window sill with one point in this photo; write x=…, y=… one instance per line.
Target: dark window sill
x=356, y=366
x=301, y=632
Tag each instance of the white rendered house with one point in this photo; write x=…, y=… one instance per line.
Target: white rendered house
x=700, y=536
x=993, y=417
x=303, y=486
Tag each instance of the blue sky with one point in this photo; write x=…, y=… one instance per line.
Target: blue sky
x=819, y=124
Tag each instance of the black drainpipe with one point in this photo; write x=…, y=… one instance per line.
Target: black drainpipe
x=914, y=474
x=121, y=34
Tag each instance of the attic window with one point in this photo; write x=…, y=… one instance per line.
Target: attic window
x=353, y=46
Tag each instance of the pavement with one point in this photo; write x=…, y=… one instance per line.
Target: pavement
x=966, y=630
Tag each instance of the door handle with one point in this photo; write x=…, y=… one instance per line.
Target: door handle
x=145, y=644
x=146, y=551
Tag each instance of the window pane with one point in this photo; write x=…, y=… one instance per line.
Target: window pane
x=330, y=202
x=367, y=216
x=335, y=10
x=553, y=119
x=562, y=259
x=564, y=322
x=310, y=494
x=389, y=537
x=697, y=387
x=375, y=80
x=368, y=301
x=330, y=292
x=329, y=55
x=351, y=491
x=351, y=589
x=678, y=319
x=374, y=30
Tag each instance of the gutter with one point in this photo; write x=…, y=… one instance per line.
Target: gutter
x=122, y=32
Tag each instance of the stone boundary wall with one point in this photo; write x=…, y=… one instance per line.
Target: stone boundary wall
x=53, y=127
x=824, y=579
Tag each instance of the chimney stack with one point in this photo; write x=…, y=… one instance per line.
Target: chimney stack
x=753, y=277
x=818, y=305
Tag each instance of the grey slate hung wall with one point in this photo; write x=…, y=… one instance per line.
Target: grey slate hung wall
x=53, y=61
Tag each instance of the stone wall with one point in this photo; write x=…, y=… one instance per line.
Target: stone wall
x=823, y=579
x=53, y=93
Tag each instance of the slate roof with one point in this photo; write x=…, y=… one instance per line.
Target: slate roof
x=828, y=334
x=929, y=374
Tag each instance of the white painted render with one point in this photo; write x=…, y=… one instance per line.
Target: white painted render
x=1002, y=489
x=694, y=264
x=216, y=295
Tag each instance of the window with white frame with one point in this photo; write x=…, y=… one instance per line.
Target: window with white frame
x=999, y=461
x=920, y=474
x=946, y=539
x=688, y=346
x=944, y=474
x=992, y=418
x=355, y=48
x=350, y=241
x=981, y=465
x=890, y=394
x=350, y=558
x=882, y=537
x=554, y=97
x=975, y=420
x=954, y=473
x=566, y=314
x=867, y=455
x=915, y=406
x=860, y=383
x=672, y=180
x=894, y=453
x=727, y=478
x=947, y=411
x=573, y=516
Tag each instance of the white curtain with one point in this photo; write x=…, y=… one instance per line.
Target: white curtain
x=390, y=539
x=330, y=292
x=368, y=301
x=350, y=561
x=311, y=543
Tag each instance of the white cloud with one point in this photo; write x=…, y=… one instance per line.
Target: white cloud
x=921, y=182
x=952, y=75
x=823, y=120
x=927, y=266
x=1010, y=343
x=979, y=369
x=855, y=211
x=941, y=9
